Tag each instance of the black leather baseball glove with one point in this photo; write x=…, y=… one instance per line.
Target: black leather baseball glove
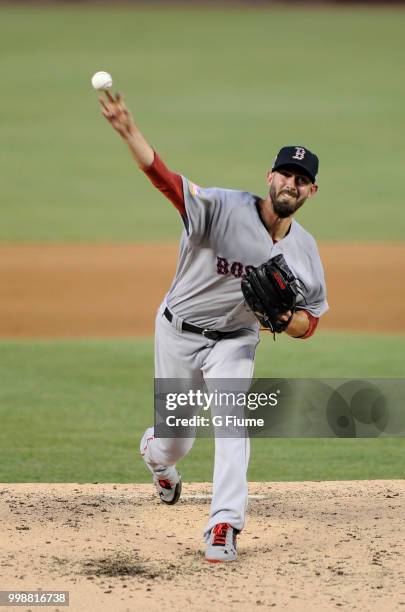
x=271, y=290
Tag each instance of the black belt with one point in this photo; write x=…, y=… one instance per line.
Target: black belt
x=211, y=334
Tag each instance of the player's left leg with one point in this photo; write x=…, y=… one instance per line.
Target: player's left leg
x=230, y=358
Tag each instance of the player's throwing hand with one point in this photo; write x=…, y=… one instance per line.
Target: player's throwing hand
x=118, y=115
x=116, y=112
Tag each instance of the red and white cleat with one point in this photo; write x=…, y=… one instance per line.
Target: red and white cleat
x=169, y=486
x=221, y=544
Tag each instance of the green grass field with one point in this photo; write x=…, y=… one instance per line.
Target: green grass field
x=75, y=410
x=217, y=92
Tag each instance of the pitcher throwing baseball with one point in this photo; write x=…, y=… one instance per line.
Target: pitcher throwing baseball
x=204, y=328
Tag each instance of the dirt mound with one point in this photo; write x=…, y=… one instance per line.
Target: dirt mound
x=315, y=545
x=114, y=290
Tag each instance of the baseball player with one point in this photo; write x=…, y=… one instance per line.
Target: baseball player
x=204, y=330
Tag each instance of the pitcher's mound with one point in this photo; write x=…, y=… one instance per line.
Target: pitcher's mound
x=312, y=545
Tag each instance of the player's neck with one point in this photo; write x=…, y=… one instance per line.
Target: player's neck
x=278, y=228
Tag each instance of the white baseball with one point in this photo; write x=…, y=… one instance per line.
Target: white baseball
x=101, y=80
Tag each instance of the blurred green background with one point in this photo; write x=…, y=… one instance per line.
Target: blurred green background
x=76, y=410
x=217, y=92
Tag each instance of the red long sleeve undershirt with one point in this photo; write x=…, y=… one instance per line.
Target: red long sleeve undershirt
x=171, y=185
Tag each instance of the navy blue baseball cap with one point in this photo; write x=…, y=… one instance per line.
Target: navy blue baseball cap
x=299, y=157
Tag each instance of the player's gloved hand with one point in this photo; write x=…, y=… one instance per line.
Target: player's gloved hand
x=271, y=291
x=117, y=114
x=286, y=317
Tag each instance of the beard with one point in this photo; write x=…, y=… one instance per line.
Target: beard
x=284, y=205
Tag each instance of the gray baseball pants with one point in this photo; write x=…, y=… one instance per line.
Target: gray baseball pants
x=188, y=355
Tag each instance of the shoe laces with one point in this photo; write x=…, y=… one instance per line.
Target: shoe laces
x=220, y=532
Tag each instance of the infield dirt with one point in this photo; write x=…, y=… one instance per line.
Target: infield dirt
x=311, y=545
x=114, y=290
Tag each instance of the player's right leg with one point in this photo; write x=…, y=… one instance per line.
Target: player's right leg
x=176, y=357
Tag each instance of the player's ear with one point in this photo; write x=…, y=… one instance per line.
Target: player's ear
x=269, y=177
x=313, y=190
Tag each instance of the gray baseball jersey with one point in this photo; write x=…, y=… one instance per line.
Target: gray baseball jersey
x=224, y=235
